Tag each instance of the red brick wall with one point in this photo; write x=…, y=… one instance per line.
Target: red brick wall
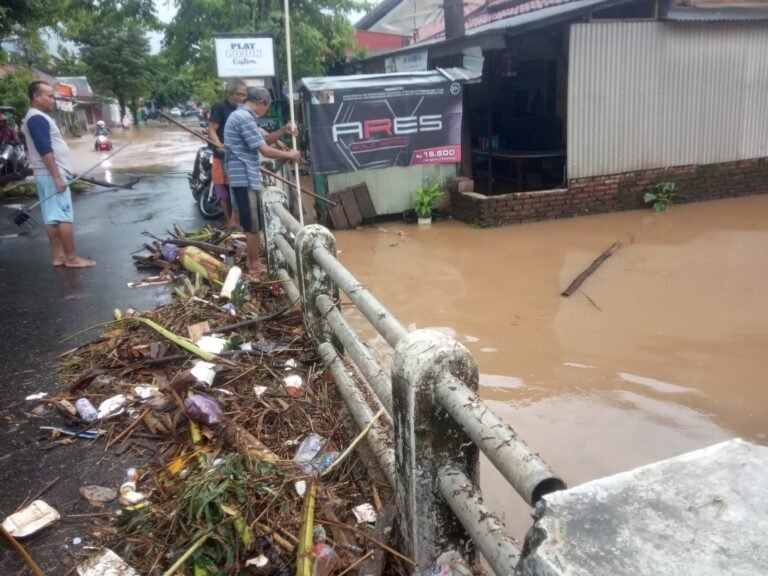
x=610, y=193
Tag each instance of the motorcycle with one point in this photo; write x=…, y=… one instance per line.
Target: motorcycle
x=102, y=143
x=13, y=159
x=201, y=185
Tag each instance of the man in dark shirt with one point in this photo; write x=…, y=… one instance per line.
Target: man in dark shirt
x=236, y=90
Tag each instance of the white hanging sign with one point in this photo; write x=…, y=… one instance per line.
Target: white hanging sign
x=245, y=56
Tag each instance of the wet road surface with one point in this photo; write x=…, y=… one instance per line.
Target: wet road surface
x=668, y=356
x=41, y=306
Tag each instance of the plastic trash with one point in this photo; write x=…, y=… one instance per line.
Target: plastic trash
x=294, y=385
x=437, y=570
x=204, y=371
x=204, y=410
x=231, y=281
x=309, y=458
x=29, y=520
x=212, y=344
x=326, y=558
x=364, y=513
x=113, y=406
x=170, y=252
x=105, y=562
x=85, y=410
x=129, y=497
x=98, y=495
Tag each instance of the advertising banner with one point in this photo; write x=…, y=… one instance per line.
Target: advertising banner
x=378, y=127
x=245, y=56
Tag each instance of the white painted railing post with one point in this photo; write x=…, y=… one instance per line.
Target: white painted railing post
x=314, y=281
x=426, y=439
x=273, y=226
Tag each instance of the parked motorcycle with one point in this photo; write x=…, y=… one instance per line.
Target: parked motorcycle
x=102, y=143
x=201, y=185
x=13, y=159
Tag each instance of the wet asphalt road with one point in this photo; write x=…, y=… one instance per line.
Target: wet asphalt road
x=41, y=305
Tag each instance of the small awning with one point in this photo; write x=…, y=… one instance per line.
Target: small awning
x=393, y=79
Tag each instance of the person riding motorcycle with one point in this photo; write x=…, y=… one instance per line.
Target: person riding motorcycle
x=101, y=128
x=8, y=134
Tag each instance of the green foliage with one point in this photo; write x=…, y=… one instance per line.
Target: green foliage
x=320, y=31
x=662, y=197
x=13, y=90
x=425, y=198
x=118, y=61
x=68, y=64
x=22, y=16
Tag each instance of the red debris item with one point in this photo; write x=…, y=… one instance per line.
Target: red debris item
x=277, y=290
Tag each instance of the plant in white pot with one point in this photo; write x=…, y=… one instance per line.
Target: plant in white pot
x=425, y=200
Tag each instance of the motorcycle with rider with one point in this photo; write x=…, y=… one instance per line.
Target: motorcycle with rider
x=13, y=159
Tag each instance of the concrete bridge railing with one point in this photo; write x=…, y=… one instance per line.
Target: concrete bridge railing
x=434, y=424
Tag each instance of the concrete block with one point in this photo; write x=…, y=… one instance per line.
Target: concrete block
x=702, y=513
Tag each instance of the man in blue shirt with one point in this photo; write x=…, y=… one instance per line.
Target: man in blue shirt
x=244, y=142
x=49, y=156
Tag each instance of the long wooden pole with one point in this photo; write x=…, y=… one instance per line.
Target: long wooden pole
x=263, y=170
x=290, y=102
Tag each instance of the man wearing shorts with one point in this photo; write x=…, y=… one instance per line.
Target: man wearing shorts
x=244, y=142
x=216, y=121
x=49, y=157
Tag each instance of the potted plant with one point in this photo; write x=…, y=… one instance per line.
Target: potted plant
x=425, y=199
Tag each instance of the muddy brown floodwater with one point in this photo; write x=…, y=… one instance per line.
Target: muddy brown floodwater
x=668, y=356
x=155, y=148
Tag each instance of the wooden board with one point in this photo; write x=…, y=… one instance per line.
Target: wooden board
x=351, y=209
x=364, y=202
x=336, y=213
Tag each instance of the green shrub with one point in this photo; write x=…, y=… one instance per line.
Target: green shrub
x=662, y=197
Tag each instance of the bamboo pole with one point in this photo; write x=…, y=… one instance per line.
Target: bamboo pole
x=290, y=102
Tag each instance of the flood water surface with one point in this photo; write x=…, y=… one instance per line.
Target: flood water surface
x=660, y=352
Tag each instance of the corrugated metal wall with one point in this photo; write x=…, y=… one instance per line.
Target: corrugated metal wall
x=392, y=189
x=656, y=94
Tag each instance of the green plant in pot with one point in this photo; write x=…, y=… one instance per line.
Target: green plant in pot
x=425, y=200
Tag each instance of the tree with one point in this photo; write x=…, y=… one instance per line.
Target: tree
x=320, y=31
x=68, y=64
x=169, y=85
x=118, y=62
x=13, y=90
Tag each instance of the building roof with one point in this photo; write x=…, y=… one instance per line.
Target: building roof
x=82, y=88
x=678, y=13
x=427, y=22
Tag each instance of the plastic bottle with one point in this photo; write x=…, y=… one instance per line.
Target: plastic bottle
x=326, y=558
x=233, y=277
x=86, y=410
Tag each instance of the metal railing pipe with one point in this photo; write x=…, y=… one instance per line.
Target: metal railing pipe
x=287, y=219
x=287, y=251
x=364, y=360
x=487, y=531
x=381, y=318
x=378, y=439
x=288, y=285
x=528, y=474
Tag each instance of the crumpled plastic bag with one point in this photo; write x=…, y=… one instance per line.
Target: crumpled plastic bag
x=204, y=410
x=170, y=252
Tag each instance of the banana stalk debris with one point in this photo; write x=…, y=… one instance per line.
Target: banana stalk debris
x=219, y=495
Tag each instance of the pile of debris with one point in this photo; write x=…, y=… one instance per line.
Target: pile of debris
x=249, y=471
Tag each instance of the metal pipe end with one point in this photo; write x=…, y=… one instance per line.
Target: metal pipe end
x=547, y=486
